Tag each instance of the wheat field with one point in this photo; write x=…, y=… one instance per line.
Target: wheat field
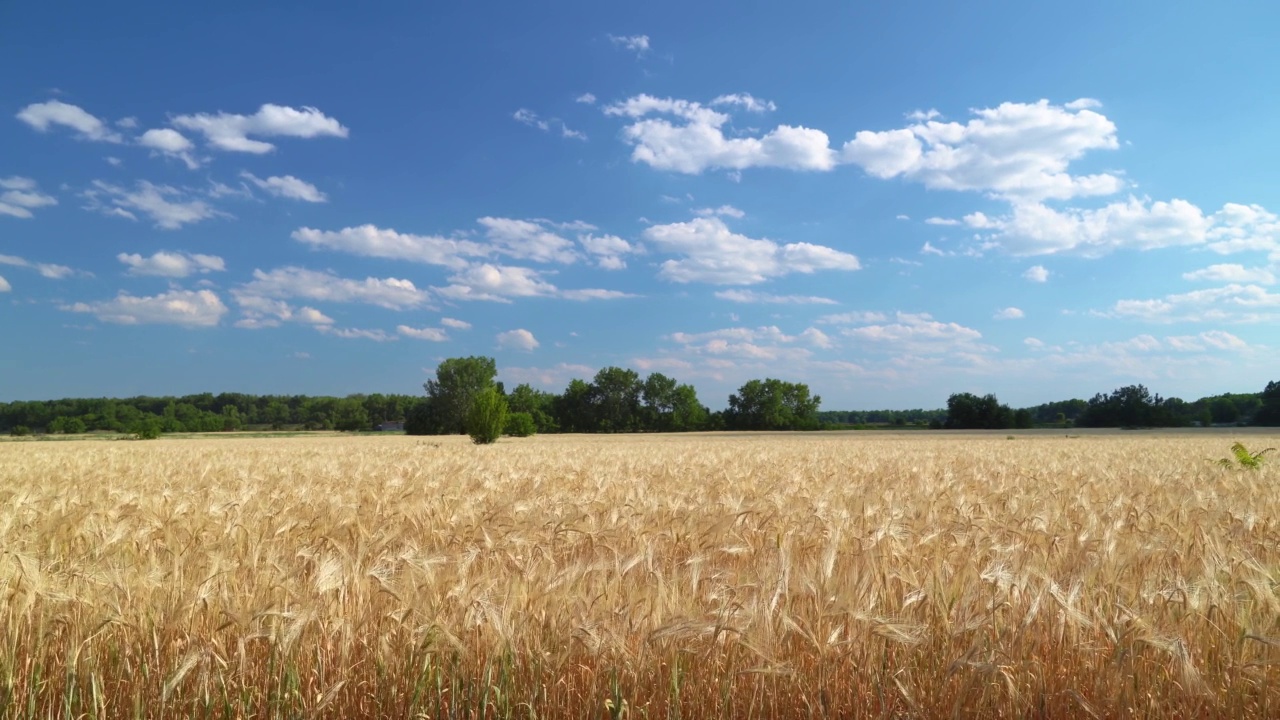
x=771, y=576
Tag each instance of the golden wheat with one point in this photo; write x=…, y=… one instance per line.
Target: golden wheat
x=769, y=576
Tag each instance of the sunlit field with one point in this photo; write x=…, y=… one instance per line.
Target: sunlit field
x=728, y=576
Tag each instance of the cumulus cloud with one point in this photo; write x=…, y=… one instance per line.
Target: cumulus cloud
x=1015, y=150
x=527, y=240
x=525, y=116
x=47, y=270
x=357, y=334
x=747, y=102
x=1232, y=273
x=918, y=334
x=189, y=308
x=941, y=221
x=855, y=317
x=1235, y=302
x=42, y=116
x=287, y=186
x=231, y=132
x=764, y=343
x=1036, y=273
x=167, y=206
x=171, y=264
x=722, y=211
x=4, y=285
x=638, y=44
x=555, y=377
x=689, y=137
x=291, y=282
x=21, y=195
x=455, y=324
x=1009, y=313
x=429, y=333
x=372, y=241
x=586, y=99
x=711, y=253
x=751, y=296
x=258, y=312
x=608, y=251
x=170, y=143
x=519, y=339
x=501, y=283
x=1134, y=224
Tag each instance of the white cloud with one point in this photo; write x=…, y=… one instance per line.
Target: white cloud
x=55, y=112
x=151, y=200
x=1015, y=150
x=817, y=338
x=1135, y=224
x=919, y=334
x=941, y=221
x=747, y=102
x=527, y=240
x=431, y=334
x=1232, y=273
x=4, y=285
x=189, y=308
x=751, y=296
x=1244, y=228
x=638, y=44
x=171, y=264
x=496, y=283
x=1216, y=339
x=262, y=312
x=455, y=324
x=586, y=99
x=230, y=132
x=1234, y=303
x=528, y=117
x=1009, y=313
x=1036, y=273
x=1033, y=343
x=47, y=270
x=723, y=211
x=287, y=186
x=290, y=282
x=711, y=253
x=519, y=339
x=855, y=317
x=21, y=195
x=608, y=250
x=372, y=241
x=697, y=142
x=171, y=143
x=357, y=334
x=764, y=343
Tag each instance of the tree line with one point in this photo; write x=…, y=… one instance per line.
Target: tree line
x=615, y=400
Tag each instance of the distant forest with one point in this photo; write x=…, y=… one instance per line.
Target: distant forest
x=615, y=400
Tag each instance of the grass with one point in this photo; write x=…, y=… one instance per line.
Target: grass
x=771, y=576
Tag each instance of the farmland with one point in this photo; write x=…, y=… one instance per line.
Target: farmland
x=664, y=576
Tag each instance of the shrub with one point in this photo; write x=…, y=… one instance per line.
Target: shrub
x=20, y=430
x=146, y=429
x=520, y=424
x=488, y=416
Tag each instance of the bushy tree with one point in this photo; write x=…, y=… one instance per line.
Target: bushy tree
x=349, y=414
x=520, y=424
x=772, y=404
x=457, y=383
x=966, y=411
x=146, y=428
x=1268, y=412
x=67, y=426
x=488, y=416
x=1133, y=406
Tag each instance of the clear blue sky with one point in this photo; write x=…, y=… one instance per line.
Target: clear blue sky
x=890, y=202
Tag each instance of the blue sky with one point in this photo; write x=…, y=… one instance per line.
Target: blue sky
x=888, y=203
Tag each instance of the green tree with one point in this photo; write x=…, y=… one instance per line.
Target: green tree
x=574, y=409
x=1268, y=412
x=349, y=414
x=146, y=428
x=67, y=425
x=520, y=424
x=487, y=417
x=966, y=411
x=772, y=404
x=615, y=397
x=539, y=405
x=457, y=383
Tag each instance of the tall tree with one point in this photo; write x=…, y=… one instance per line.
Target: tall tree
x=457, y=383
x=615, y=395
x=772, y=404
x=1268, y=412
